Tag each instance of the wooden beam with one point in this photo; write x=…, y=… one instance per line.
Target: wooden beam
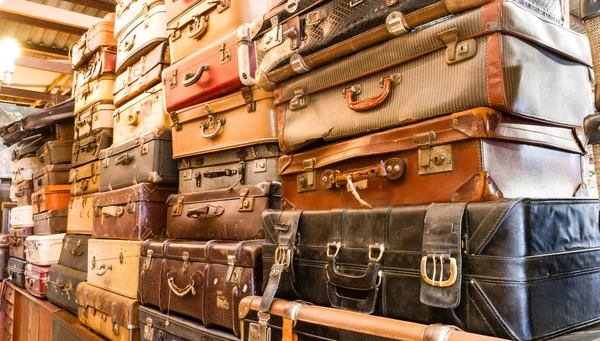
x=99, y=5
x=44, y=49
x=22, y=19
x=43, y=64
x=50, y=87
x=48, y=17
x=35, y=95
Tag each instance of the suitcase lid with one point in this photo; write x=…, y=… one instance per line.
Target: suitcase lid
x=31, y=270
x=16, y=264
x=92, y=142
x=119, y=309
x=280, y=13
x=52, y=168
x=143, y=192
x=86, y=171
x=263, y=189
x=248, y=153
x=143, y=102
x=47, y=240
x=102, y=61
x=57, y=113
x=50, y=214
x=66, y=274
x=75, y=245
x=470, y=124
x=82, y=118
x=125, y=6
x=82, y=90
x=23, y=232
x=52, y=189
x=136, y=142
x=156, y=58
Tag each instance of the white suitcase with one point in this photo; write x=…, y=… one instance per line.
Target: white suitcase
x=24, y=169
x=13, y=193
x=97, y=116
x=129, y=10
x=141, y=36
x=114, y=265
x=21, y=217
x=43, y=250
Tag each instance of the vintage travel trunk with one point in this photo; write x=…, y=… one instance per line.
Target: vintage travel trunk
x=5, y=242
x=475, y=155
x=54, y=153
x=81, y=214
x=44, y=250
x=17, y=241
x=62, y=284
x=24, y=169
x=50, y=222
x=100, y=35
x=52, y=175
x=96, y=117
x=223, y=123
x=225, y=66
x=146, y=32
x=66, y=327
x=142, y=75
x=129, y=10
x=51, y=197
x=503, y=47
x=135, y=213
x=102, y=62
x=36, y=279
x=226, y=169
x=304, y=321
x=154, y=327
x=499, y=265
x=28, y=147
x=85, y=179
x=21, y=217
x=140, y=115
x=113, y=265
x=201, y=280
x=88, y=149
x=194, y=24
x=110, y=315
x=92, y=92
x=146, y=158
x=16, y=271
x=23, y=192
x=74, y=253
x=226, y=214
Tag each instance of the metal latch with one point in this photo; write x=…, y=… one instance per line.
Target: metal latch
x=231, y=274
x=246, y=204
x=185, y=256
x=299, y=101
x=432, y=159
x=273, y=38
x=291, y=6
x=173, y=82
x=457, y=51
x=314, y=18
x=224, y=54
x=248, y=98
x=148, y=330
x=178, y=207
x=148, y=260
x=175, y=120
x=113, y=315
x=306, y=181
x=260, y=166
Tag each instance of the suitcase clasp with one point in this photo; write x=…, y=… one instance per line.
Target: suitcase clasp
x=457, y=51
x=148, y=330
x=224, y=54
x=148, y=260
x=273, y=38
x=453, y=271
x=306, y=181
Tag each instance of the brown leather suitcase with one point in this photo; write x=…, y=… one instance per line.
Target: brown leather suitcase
x=23, y=192
x=4, y=254
x=226, y=214
x=103, y=61
x=113, y=316
x=74, y=253
x=99, y=36
x=51, y=175
x=81, y=214
x=36, y=279
x=475, y=155
x=206, y=284
x=94, y=91
x=146, y=158
x=16, y=271
x=229, y=168
x=223, y=123
x=304, y=321
x=51, y=197
x=134, y=213
x=96, y=117
x=142, y=75
x=50, y=222
x=17, y=241
x=193, y=24
x=55, y=152
x=85, y=179
x=88, y=149
x=507, y=49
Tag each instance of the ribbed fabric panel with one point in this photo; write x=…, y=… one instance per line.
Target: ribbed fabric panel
x=550, y=9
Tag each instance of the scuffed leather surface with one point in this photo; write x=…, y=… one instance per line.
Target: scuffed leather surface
x=58, y=276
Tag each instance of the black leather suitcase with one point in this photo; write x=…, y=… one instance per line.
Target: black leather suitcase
x=520, y=269
x=16, y=271
x=62, y=283
x=74, y=253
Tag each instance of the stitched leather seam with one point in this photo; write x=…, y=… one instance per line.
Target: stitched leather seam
x=491, y=231
x=481, y=314
x=494, y=311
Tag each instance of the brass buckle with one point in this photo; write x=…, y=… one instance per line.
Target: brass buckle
x=338, y=246
x=380, y=248
x=283, y=256
x=441, y=282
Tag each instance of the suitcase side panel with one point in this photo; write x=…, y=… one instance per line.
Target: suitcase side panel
x=43, y=250
x=74, y=252
x=62, y=283
x=46, y=224
x=107, y=271
x=81, y=215
x=95, y=91
x=36, y=279
x=88, y=149
x=95, y=118
x=146, y=220
x=17, y=245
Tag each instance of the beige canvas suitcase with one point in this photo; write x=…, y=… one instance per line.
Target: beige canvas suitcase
x=85, y=179
x=240, y=119
x=81, y=215
x=24, y=169
x=142, y=114
x=98, y=90
x=21, y=217
x=128, y=11
x=95, y=117
x=43, y=250
x=114, y=265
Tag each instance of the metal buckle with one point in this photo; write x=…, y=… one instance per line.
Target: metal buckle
x=381, y=249
x=148, y=260
x=441, y=282
x=260, y=331
x=283, y=256
x=338, y=246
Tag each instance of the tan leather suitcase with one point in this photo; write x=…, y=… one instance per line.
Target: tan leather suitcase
x=114, y=265
x=51, y=197
x=88, y=148
x=100, y=89
x=237, y=120
x=50, y=222
x=96, y=117
x=80, y=218
x=103, y=61
x=23, y=192
x=142, y=75
x=113, y=316
x=194, y=24
x=51, y=175
x=128, y=11
x=142, y=114
x=100, y=35
x=55, y=152
x=85, y=179
x=145, y=32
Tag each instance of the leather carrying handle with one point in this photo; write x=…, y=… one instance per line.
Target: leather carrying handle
x=206, y=212
x=104, y=270
x=190, y=79
x=369, y=280
x=123, y=159
x=198, y=27
x=133, y=119
x=220, y=123
x=371, y=102
x=391, y=169
x=182, y=291
x=112, y=211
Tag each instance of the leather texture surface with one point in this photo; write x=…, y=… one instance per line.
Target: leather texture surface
x=50, y=222
x=23, y=191
x=16, y=271
x=17, y=241
x=51, y=197
x=96, y=117
x=54, y=153
x=88, y=148
x=52, y=174
x=81, y=215
x=74, y=253
x=89, y=93
x=62, y=284
x=102, y=62
x=85, y=179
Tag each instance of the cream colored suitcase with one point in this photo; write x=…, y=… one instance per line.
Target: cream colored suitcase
x=81, y=215
x=142, y=114
x=24, y=169
x=85, y=179
x=129, y=10
x=13, y=193
x=95, y=117
x=146, y=31
x=43, y=250
x=21, y=217
x=114, y=265
x=92, y=92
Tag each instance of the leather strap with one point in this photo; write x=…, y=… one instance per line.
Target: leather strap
x=442, y=255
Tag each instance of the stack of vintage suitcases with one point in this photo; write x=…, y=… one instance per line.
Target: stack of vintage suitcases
x=314, y=170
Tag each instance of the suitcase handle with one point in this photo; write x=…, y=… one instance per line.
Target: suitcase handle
x=191, y=78
x=206, y=212
x=365, y=304
x=220, y=123
x=391, y=169
x=112, y=211
x=123, y=159
x=182, y=291
x=198, y=27
x=133, y=119
x=370, y=280
x=104, y=269
x=371, y=102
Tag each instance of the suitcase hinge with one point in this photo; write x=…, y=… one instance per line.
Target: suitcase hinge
x=314, y=18
x=306, y=181
x=299, y=101
x=457, y=51
x=175, y=120
x=260, y=331
x=396, y=24
x=248, y=98
x=298, y=65
x=178, y=207
x=224, y=54
x=148, y=260
x=185, y=256
x=148, y=330
x=233, y=273
x=246, y=204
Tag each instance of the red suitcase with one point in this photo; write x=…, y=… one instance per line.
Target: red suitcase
x=221, y=68
x=36, y=279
